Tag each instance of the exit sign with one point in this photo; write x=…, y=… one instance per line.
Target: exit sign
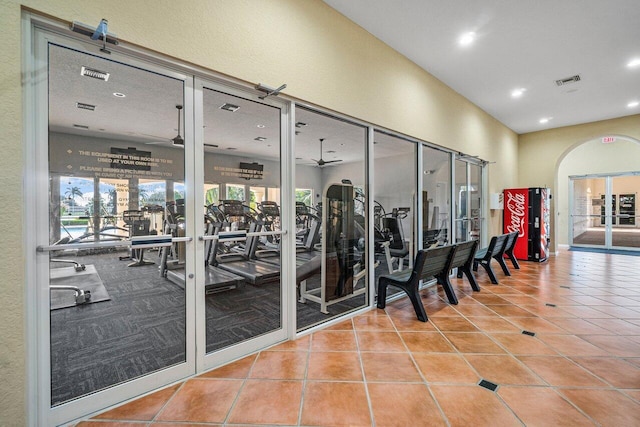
x=608, y=139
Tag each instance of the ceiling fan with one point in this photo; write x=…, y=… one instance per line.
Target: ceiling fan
x=178, y=141
x=322, y=162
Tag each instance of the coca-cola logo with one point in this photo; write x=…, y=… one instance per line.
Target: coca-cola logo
x=516, y=207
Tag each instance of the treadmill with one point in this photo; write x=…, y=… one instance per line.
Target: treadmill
x=242, y=263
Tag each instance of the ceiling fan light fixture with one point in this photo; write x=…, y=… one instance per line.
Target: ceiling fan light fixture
x=178, y=141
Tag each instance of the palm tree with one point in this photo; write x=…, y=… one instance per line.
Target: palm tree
x=72, y=193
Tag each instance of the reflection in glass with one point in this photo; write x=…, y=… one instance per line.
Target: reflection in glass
x=243, y=287
x=331, y=219
x=587, y=210
x=436, y=195
x=394, y=204
x=112, y=317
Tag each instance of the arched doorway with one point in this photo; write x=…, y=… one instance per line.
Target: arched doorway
x=598, y=190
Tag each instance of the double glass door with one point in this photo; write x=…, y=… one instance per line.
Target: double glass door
x=468, y=201
x=604, y=211
x=159, y=227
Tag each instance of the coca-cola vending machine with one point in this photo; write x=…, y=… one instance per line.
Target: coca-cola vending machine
x=527, y=211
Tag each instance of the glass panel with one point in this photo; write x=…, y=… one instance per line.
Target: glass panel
x=330, y=158
x=462, y=214
x=394, y=204
x=112, y=317
x=436, y=195
x=243, y=290
x=588, y=210
x=626, y=229
x=475, y=201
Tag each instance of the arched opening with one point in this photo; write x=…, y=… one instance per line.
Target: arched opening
x=597, y=186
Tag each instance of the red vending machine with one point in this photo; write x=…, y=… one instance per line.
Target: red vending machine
x=527, y=211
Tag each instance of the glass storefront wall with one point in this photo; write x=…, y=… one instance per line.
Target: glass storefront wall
x=118, y=314
x=436, y=197
x=394, y=212
x=331, y=255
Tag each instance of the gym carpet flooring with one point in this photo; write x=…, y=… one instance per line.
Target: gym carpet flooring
x=141, y=329
x=582, y=367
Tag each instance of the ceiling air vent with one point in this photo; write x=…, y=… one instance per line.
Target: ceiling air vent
x=229, y=107
x=94, y=74
x=84, y=106
x=568, y=80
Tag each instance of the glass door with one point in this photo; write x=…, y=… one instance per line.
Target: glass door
x=588, y=216
x=625, y=224
x=109, y=326
x=468, y=201
x=242, y=255
x=436, y=197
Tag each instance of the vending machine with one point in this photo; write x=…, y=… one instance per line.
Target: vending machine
x=527, y=211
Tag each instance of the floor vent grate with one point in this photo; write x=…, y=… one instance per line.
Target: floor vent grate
x=488, y=385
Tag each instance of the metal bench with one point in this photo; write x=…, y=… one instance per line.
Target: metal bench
x=463, y=261
x=495, y=250
x=428, y=264
x=509, y=247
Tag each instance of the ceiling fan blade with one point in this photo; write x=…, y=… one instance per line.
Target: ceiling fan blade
x=331, y=161
x=156, y=142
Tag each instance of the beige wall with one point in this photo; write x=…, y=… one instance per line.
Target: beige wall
x=541, y=153
x=324, y=59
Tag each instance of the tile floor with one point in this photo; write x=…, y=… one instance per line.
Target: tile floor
x=385, y=368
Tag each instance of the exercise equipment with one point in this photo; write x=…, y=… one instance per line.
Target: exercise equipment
x=342, y=262
x=137, y=225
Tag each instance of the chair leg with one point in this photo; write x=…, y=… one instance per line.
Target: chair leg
x=514, y=261
x=475, y=265
x=414, y=296
x=470, y=277
x=443, y=280
x=503, y=264
x=489, y=270
x=459, y=273
x=382, y=294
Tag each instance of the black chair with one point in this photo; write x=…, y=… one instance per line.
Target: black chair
x=428, y=264
x=495, y=250
x=509, y=247
x=463, y=261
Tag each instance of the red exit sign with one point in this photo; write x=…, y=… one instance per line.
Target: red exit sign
x=608, y=139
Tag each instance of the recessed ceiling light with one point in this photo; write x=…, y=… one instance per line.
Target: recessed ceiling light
x=633, y=104
x=229, y=107
x=517, y=93
x=119, y=95
x=94, y=74
x=467, y=38
x=634, y=63
x=260, y=126
x=545, y=120
x=260, y=138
